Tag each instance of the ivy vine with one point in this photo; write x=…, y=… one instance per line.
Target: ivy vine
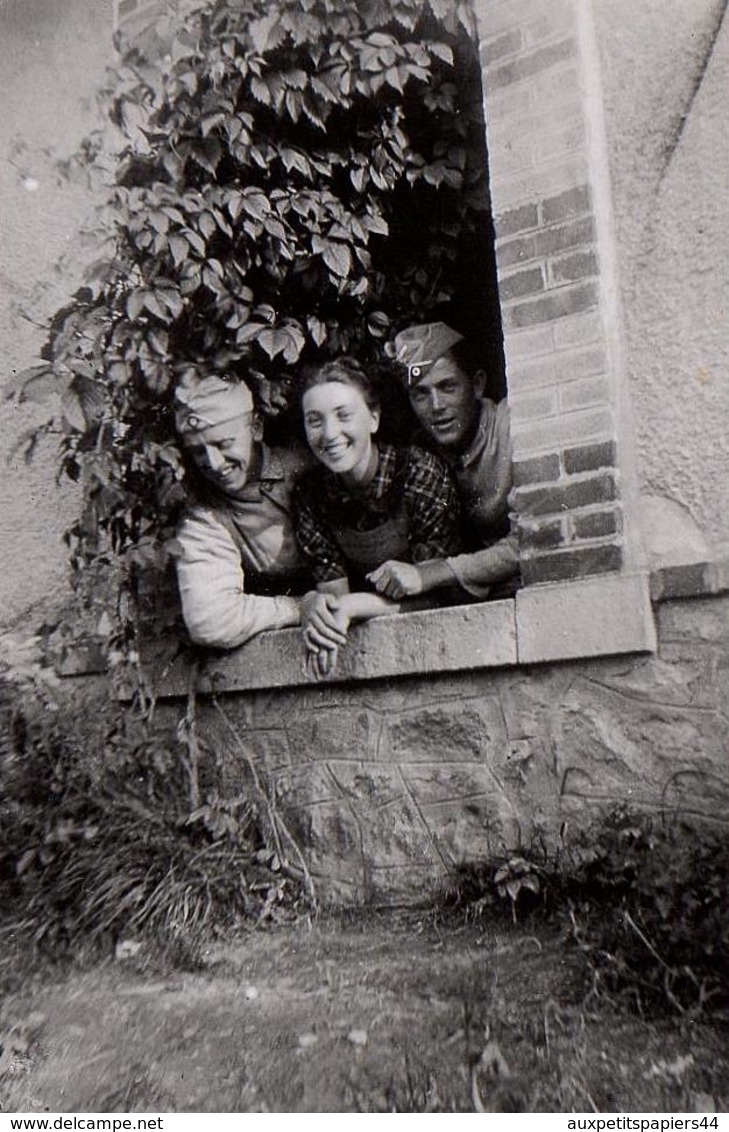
x=291, y=182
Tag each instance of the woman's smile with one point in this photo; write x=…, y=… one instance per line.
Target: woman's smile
x=340, y=427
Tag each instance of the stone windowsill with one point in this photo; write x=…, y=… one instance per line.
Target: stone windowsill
x=606, y=615
x=593, y=617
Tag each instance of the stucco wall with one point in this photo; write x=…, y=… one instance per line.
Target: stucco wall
x=52, y=60
x=665, y=78
x=385, y=785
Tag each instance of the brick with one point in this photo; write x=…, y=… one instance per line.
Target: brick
x=494, y=18
x=553, y=499
x=541, y=119
x=597, y=524
x=531, y=374
x=516, y=220
x=542, y=536
x=559, y=19
x=561, y=237
x=559, y=85
x=578, y=331
x=572, y=364
x=554, y=369
x=695, y=579
x=547, y=242
x=532, y=438
x=506, y=44
x=590, y=457
x=581, y=562
x=557, y=304
x=529, y=406
x=521, y=283
x=572, y=268
x=511, y=157
x=529, y=343
x=527, y=65
x=558, y=143
x=690, y=580
x=509, y=191
x=566, y=205
x=516, y=251
x=582, y=394
x=507, y=108
x=539, y=470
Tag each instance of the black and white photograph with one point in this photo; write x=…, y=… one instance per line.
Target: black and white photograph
x=364, y=560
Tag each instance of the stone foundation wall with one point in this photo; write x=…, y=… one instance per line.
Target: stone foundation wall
x=386, y=785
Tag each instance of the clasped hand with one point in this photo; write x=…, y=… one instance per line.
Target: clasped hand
x=396, y=580
x=324, y=623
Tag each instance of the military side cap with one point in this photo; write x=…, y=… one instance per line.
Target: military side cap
x=202, y=403
x=417, y=347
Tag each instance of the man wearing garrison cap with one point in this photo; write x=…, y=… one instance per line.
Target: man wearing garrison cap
x=238, y=565
x=471, y=433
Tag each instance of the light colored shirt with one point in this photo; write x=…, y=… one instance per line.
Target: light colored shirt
x=218, y=543
x=484, y=480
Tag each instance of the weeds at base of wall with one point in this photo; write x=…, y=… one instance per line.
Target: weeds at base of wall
x=642, y=898
x=113, y=829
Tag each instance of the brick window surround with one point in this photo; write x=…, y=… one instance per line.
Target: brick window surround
x=586, y=589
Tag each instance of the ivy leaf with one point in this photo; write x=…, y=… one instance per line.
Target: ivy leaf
x=274, y=228
x=394, y=78
x=159, y=340
x=316, y=113
x=195, y=242
x=234, y=204
x=207, y=154
x=207, y=224
x=376, y=224
x=286, y=340
x=72, y=411
x=170, y=297
x=135, y=303
x=119, y=372
x=255, y=204
x=179, y=248
x=154, y=306
x=317, y=330
x=157, y=376
x=357, y=176
x=261, y=91
x=338, y=259
x=295, y=344
x=248, y=332
x=294, y=159
x=443, y=51
x=260, y=32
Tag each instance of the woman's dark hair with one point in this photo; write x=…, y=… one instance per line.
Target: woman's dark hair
x=348, y=371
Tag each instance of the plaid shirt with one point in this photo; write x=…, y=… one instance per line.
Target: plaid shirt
x=408, y=479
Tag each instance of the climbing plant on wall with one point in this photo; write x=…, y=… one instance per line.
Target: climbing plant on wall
x=292, y=181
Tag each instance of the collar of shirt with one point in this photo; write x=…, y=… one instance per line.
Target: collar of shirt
x=371, y=493
x=484, y=434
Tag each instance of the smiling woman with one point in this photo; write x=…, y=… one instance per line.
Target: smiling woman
x=369, y=501
x=340, y=422
x=369, y=506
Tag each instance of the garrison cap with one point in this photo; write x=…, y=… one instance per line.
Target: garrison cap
x=201, y=403
x=417, y=347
